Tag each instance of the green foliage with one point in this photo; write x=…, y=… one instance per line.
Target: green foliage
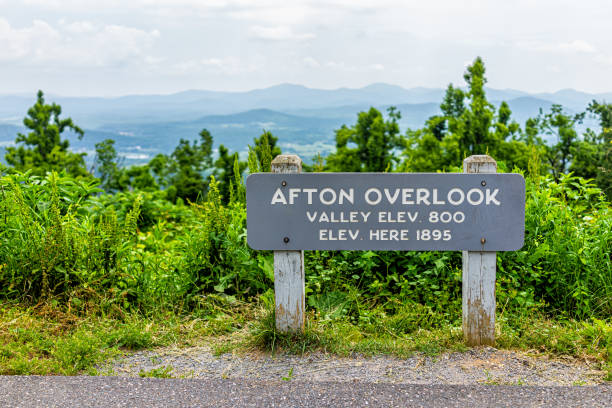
x=187, y=163
x=476, y=121
x=43, y=150
x=216, y=257
x=468, y=125
x=106, y=166
x=129, y=250
x=238, y=193
x=340, y=282
x=159, y=372
x=562, y=126
x=43, y=245
x=180, y=174
x=424, y=152
x=368, y=145
x=266, y=150
x=47, y=340
x=565, y=264
x=261, y=156
x=593, y=156
x=227, y=167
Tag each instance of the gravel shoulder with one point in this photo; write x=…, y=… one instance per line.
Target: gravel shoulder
x=477, y=366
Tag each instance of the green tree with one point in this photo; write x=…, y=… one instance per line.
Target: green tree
x=160, y=166
x=186, y=165
x=106, y=166
x=504, y=126
x=140, y=178
x=562, y=127
x=477, y=119
x=532, y=130
x=468, y=124
x=453, y=104
x=226, y=168
x=452, y=107
x=43, y=150
x=266, y=149
x=424, y=152
x=593, y=157
x=368, y=145
x=180, y=173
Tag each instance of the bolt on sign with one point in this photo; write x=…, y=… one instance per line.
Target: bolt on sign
x=386, y=211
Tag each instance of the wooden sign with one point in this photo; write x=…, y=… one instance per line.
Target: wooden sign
x=479, y=212
x=386, y=211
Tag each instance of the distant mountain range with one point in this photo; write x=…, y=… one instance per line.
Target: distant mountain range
x=303, y=118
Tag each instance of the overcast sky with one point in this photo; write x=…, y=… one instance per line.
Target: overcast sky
x=118, y=47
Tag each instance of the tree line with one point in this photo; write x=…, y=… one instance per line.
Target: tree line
x=467, y=124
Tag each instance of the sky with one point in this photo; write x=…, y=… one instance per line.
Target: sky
x=120, y=47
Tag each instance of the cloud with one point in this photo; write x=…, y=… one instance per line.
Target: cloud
x=22, y=42
x=575, y=46
x=264, y=11
x=78, y=43
x=311, y=62
x=278, y=33
x=111, y=46
x=79, y=27
x=341, y=66
x=604, y=59
x=214, y=65
x=104, y=4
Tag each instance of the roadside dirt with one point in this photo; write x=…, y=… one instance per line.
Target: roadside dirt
x=477, y=366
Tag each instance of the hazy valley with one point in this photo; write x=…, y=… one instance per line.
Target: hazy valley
x=304, y=119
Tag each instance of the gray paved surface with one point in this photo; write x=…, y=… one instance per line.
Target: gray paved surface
x=35, y=391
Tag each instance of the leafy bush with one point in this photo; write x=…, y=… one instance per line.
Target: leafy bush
x=216, y=256
x=154, y=207
x=56, y=243
x=42, y=244
x=565, y=262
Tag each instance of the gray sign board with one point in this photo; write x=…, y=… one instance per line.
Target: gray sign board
x=386, y=211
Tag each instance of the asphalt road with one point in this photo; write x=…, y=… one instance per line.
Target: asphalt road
x=33, y=391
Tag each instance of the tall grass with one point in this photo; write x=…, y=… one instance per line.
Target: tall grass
x=565, y=262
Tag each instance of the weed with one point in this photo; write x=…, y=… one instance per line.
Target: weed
x=289, y=375
x=160, y=372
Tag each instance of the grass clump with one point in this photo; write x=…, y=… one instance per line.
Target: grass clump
x=53, y=339
x=397, y=335
x=159, y=372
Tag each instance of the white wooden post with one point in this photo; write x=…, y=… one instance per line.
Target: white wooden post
x=478, y=293
x=289, y=266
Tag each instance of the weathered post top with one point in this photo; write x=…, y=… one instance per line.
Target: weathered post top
x=287, y=163
x=479, y=163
